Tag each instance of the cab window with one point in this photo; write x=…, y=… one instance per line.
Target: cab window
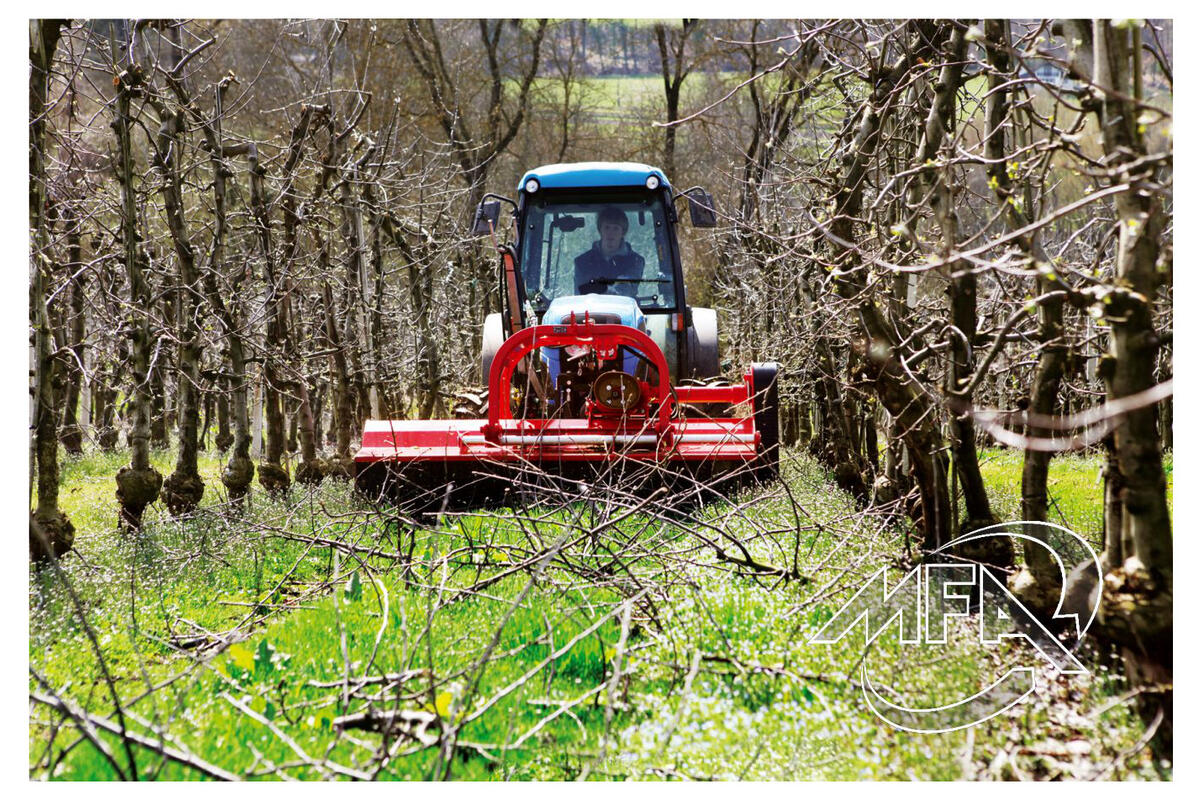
x=559, y=231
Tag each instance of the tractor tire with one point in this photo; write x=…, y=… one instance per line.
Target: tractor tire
x=493, y=337
x=764, y=382
x=704, y=360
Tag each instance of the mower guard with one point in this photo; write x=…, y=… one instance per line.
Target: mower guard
x=427, y=453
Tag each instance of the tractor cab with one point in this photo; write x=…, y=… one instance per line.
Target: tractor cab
x=599, y=240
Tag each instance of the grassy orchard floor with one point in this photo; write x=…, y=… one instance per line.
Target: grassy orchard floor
x=1075, y=487
x=724, y=685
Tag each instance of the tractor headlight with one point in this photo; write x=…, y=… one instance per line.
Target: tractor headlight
x=652, y=182
x=532, y=185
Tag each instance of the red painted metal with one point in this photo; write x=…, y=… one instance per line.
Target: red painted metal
x=604, y=339
x=653, y=434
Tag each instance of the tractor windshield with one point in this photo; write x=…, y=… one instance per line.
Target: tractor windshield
x=572, y=246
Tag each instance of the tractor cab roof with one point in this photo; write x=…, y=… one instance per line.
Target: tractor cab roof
x=592, y=175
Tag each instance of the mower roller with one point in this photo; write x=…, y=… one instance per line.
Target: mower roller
x=597, y=369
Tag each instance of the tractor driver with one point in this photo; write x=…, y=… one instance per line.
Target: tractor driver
x=610, y=257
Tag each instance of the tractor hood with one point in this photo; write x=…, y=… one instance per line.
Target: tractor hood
x=601, y=308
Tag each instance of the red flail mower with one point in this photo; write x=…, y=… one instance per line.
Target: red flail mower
x=598, y=371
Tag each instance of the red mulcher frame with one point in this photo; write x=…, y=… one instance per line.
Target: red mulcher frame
x=653, y=435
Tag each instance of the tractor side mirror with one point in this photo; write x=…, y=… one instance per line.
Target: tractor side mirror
x=487, y=218
x=701, y=208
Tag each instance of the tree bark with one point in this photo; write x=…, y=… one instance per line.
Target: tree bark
x=50, y=531
x=72, y=432
x=1137, y=607
x=907, y=403
x=137, y=484
x=1042, y=581
x=184, y=488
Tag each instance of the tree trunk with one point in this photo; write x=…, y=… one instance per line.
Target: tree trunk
x=209, y=409
x=908, y=405
x=1137, y=610
x=671, y=62
x=72, y=432
x=137, y=484
x=184, y=488
x=934, y=183
x=356, y=331
x=104, y=399
x=311, y=470
x=160, y=438
x=239, y=470
x=50, y=531
x=341, y=465
x=1040, y=581
x=272, y=475
x=224, y=436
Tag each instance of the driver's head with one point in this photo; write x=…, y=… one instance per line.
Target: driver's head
x=612, y=225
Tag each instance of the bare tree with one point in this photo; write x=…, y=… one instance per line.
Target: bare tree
x=675, y=67
x=1138, y=550
x=137, y=484
x=55, y=533
x=184, y=488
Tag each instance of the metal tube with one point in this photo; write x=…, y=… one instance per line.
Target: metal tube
x=564, y=438
x=601, y=438
x=716, y=438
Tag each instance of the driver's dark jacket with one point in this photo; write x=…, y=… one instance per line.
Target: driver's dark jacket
x=592, y=266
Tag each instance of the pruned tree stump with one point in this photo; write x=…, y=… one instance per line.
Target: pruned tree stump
x=182, y=493
x=311, y=472
x=236, y=477
x=136, y=489
x=56, y=532
x=340, y=468
x=274, y=478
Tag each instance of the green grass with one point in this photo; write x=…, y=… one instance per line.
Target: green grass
x=1075, y=488
x=297, y=621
